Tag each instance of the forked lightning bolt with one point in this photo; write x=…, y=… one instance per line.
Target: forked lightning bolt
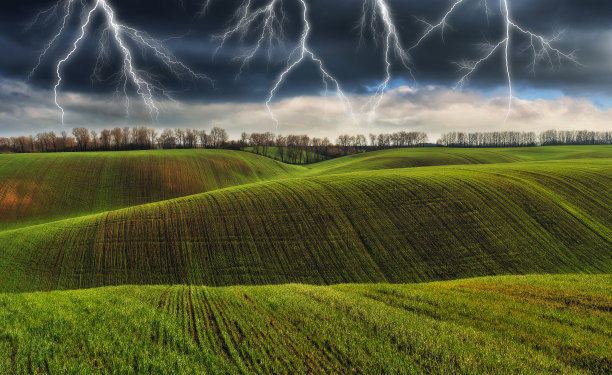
x=541, y=47
x=263, y=26
x=266, y=23
x=377, y=14
x=299, y=54
x=124, y=37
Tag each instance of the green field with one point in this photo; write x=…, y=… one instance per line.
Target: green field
x=297, y=269
x=534, y=324
x=434, y=156
x=42, y=187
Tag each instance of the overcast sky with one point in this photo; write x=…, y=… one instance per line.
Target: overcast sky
x=566, y=96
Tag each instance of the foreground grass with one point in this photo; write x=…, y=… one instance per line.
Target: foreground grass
x=395, y=226
x=35, y=188
x=531, y=324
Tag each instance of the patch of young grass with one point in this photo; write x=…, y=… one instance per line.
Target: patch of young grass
x=519, y=324
x=36, y=188
x=432, y=156
x=394, y=226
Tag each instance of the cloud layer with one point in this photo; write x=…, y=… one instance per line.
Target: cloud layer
x=434, y=110
x=585, y=24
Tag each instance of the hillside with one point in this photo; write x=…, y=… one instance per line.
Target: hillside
x=433, y=156
x=533, y=324
x=38, y=188
x=394, y=226
x=41, y=187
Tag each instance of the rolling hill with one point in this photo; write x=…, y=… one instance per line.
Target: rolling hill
x=501, y=325
x=434, y=156
x=400, y=225
x=207, y=261
x=37, y=188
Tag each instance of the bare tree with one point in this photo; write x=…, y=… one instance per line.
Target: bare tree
x=345, y=141
x=281, y=144
x=373, y=138
x=117, y=137
x=191, y=138
x=244, y=139
x=127, y=137
x=94, y=140
x=204, y=141
x=167, y=139
x=105, y=139
x=219, y=137
x=82, y=137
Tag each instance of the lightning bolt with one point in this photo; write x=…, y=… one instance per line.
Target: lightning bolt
x=266, y=23
x=147, y=87
x=541, y=47
x=374, y=13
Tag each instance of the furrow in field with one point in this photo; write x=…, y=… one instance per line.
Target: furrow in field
x=497, y=325
x=395, y=226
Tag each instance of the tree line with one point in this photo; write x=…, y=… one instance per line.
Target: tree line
x=524, y=139
x=296, y=149
x=117, y=139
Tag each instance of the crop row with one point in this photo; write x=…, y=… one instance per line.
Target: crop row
x=387, y=226
x=39, y=188
x=533, y=324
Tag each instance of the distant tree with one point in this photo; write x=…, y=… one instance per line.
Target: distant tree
x=167, y=139
x=219, y=137
x=105, y=139
x=267, y=141
x=244, y=139
x=82, y=138
x=256, y=142
x=62, y=142
x=180, y=137
x=94, y=140
x=117, y=138
x=151, y=138
x=344, y=141
x=281, y=144
x=203, y=137
x=373, y=138
x=191, y=138
x=360, y=142
x=127, y=137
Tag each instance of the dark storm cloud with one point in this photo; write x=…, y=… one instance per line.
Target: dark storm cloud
x=586, y=23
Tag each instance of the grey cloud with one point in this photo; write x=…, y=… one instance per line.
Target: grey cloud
x=586, y=23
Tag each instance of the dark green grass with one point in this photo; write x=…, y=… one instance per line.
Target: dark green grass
x=35, y=188
x=395, y=226
x=38, y=188
x=532, y=324
x=432, y=156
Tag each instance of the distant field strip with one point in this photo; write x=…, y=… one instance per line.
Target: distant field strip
x=501, y=325
x=394, y=226
x=36, y=188
x=434, y=156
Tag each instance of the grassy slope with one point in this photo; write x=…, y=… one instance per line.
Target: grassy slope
x=432, y=156
x=41, y=187
x=396, y=225
x=37, y=188
x=532, y=324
